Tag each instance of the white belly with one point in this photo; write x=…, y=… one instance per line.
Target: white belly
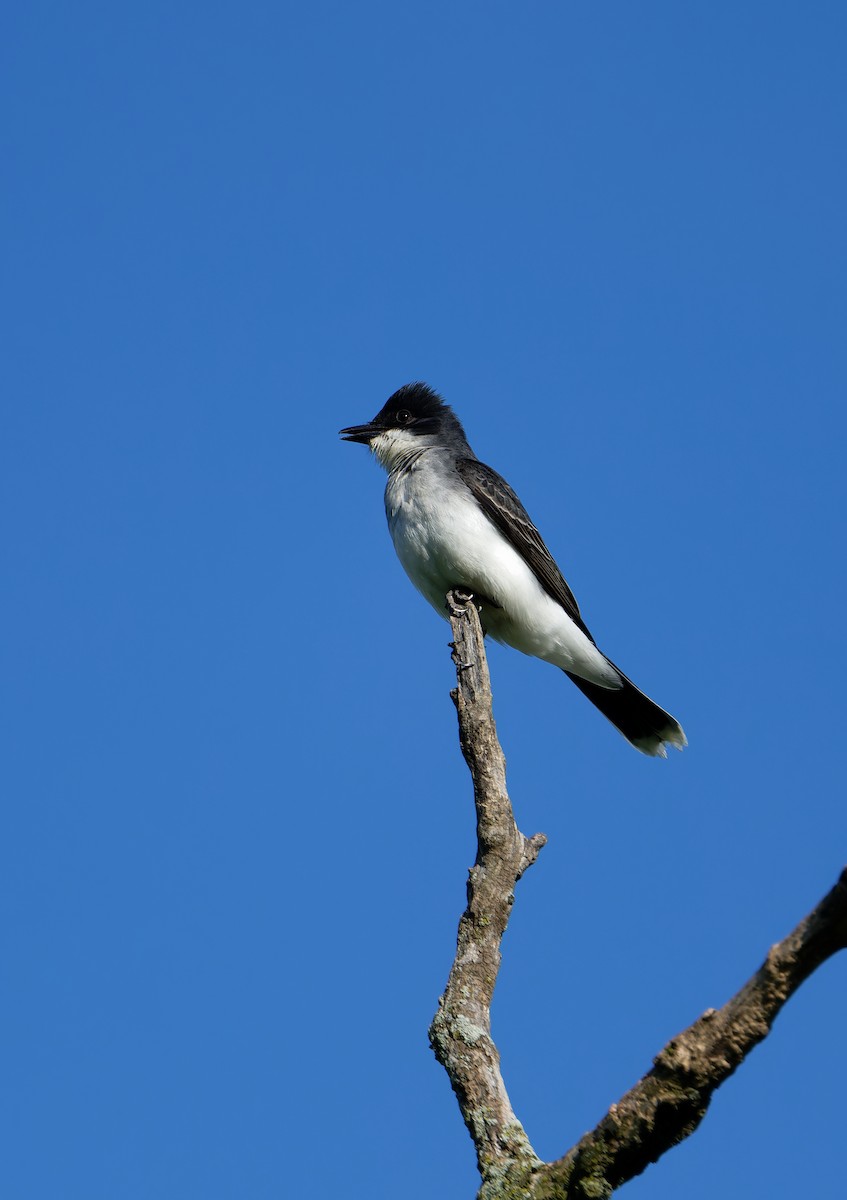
x=442, y=546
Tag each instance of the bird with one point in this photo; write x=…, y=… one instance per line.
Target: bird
x=457, y=524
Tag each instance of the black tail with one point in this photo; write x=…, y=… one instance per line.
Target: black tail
x=638, y=718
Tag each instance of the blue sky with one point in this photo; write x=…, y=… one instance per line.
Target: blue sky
x=236, y=821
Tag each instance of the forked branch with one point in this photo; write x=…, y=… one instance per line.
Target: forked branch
x=670, y=1101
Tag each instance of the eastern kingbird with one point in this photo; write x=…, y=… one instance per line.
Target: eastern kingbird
x=456, y=524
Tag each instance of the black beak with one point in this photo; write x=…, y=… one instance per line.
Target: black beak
x=359, y=433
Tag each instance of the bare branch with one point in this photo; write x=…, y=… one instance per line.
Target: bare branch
x=460, y=1033
x=669, y=1103
x=671, y=1100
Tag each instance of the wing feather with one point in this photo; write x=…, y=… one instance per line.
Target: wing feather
x=503, y=508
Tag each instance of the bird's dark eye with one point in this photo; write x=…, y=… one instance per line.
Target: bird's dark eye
x=403, y=417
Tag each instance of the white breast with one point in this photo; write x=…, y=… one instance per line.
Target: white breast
x=444, y=540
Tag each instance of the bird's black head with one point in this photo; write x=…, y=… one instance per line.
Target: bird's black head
x=415, y=415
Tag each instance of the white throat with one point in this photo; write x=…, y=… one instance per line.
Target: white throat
x=397, y=447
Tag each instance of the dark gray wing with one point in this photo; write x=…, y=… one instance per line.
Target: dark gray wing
x=504, y=509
